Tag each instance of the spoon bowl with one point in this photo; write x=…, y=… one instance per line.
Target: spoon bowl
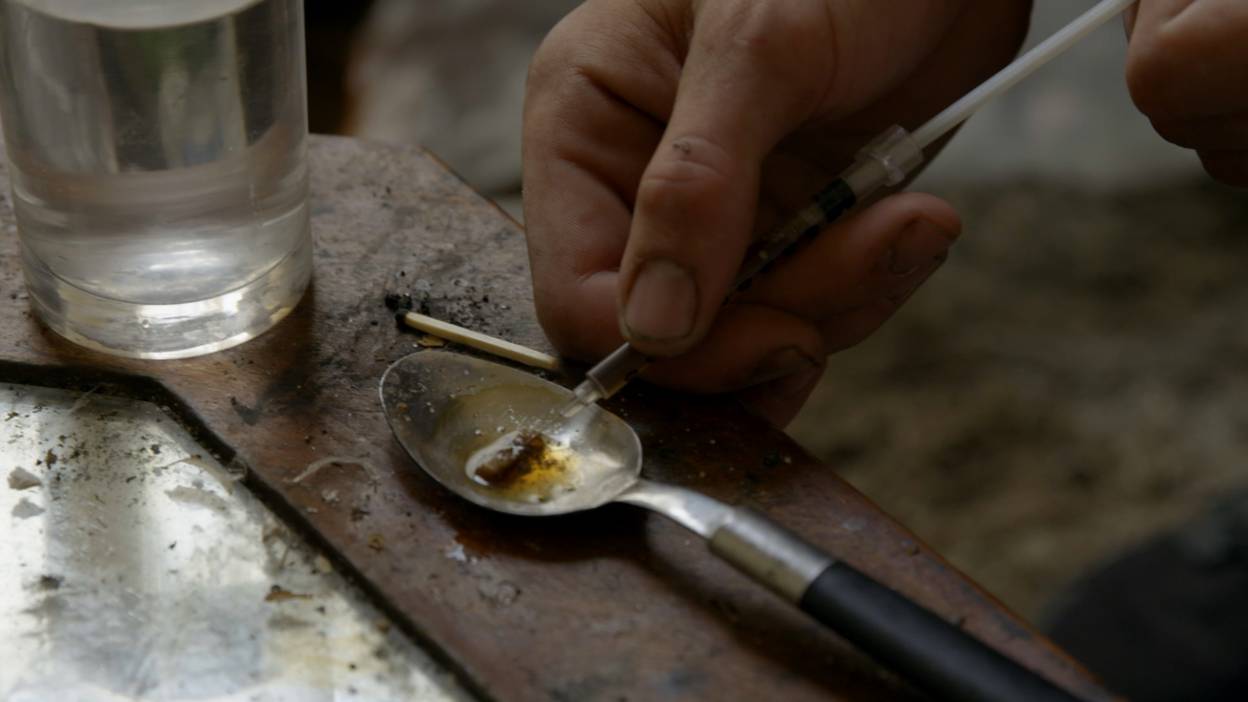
x=446, y=408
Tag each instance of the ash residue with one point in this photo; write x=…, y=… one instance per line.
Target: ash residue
x=456, y=301
x=403, y=303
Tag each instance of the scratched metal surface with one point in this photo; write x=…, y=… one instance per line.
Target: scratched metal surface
x=602, y=606
x=136, y=568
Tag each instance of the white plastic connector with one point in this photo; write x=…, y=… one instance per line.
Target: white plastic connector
x=896, y=153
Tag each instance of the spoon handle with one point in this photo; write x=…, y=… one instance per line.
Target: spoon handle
x=933, y=654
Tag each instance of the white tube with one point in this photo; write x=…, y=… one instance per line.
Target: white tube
x=1023, y=66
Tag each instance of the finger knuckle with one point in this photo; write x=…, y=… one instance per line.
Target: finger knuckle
x=550, y=58
x=1013, y=21
x=562, y=327
x=572, y=51
x=785, y=38
x=1229, y=168
x=1175, y=132
x=1156, y=68
x=766, y=27
x=1142, y=85
x=690, y=173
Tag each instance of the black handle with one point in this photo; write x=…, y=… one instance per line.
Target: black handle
x=937, y=656
x=933, y=654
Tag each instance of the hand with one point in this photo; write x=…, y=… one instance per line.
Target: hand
x=661, y=136
x=1186, y=67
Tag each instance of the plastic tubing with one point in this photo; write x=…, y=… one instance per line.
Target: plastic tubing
x=1022, y=67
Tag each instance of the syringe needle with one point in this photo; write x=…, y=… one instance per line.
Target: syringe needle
x=606, y=378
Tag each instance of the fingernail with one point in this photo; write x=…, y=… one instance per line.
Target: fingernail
x=781, y=364
x=920, y=245
x=663, y=302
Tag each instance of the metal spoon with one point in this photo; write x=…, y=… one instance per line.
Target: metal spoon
x=445, y=408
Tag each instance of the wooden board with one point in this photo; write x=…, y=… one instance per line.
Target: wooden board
x=612, y=605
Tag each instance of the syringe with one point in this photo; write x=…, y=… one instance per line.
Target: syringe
x=884, y=162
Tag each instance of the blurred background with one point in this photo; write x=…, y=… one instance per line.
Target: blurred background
x=1059, y=411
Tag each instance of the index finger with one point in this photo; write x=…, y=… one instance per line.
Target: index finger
x=588, y=131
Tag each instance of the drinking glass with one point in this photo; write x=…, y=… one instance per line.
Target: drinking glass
x=157, y=157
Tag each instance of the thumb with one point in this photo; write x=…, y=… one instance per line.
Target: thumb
x=743, y=87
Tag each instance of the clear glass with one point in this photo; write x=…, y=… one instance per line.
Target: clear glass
x=157, y=153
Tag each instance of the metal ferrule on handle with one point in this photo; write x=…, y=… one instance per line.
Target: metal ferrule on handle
x=937, y=656
x=769, y=553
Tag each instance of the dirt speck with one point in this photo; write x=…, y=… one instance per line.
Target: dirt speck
x=199, y=497
x=22, y=479
x=279, y=594
x=25, y=509
x=249, y=415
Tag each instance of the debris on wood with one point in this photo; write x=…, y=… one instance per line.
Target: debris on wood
x=228, y=478
x=279, y=594
x=26, y=509
x=83, y=400
x=316, y=466
x=397, y=301
x=197, y=496
x=22, y=479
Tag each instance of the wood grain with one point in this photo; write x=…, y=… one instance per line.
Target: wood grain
x=611, y=605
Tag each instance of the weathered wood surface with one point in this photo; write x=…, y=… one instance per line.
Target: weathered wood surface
x=612, y=605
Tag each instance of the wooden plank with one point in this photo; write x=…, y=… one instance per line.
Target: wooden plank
x=611, y=605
